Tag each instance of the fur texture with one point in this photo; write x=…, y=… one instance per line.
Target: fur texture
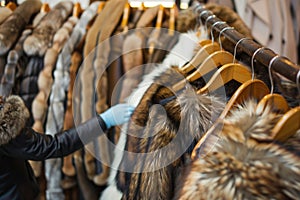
x=242, y=163
x=181, y=52
x=12, y=27
x=13, y=117
x=155, y=126
x=187, y=19
x=42, y=36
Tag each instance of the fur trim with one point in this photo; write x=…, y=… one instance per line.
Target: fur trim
x=13, y=117
x=254, y=123
x=242, y=163
x=293, y=143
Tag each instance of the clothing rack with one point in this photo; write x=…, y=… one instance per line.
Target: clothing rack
x=281, y=65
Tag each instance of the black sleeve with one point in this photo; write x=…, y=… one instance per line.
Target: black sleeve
x=30, y=145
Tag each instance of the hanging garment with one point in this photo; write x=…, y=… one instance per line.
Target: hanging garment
x=28, y=82
x=270, y=23
x=2, y=64
x=133, y=55
x=70, y=56
x=163, y=46
x=45, y=82
x=179, y=55
x=238, y=160
x=55, y=115
x=4, y=13
x=155, y=129
x=13, y=26
x=8, y=79
x=295, y=6
x=116, y=70
x=227, y=3
x=69, y=178
x=42, y=36
x=93, y=79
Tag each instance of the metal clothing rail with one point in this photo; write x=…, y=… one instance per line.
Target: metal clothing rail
x=281, y=65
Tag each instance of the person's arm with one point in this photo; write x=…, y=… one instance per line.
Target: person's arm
x=31, y=145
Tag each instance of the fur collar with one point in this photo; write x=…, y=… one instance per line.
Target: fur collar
x=242, y=163
x=13, y=117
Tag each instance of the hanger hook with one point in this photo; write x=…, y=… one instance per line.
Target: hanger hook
x=252, y=60
x=206, y=21
x=212, y=28
x=224, y=29
x=237, y=44
x=270, y=72
x=196, y=9
x=200, y=15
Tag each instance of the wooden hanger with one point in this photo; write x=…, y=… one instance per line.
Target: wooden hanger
x=228, y=72
x=11, y=5
x=287, y=126
x=45, y=7
x=172, y=20
x=214, y=60
x=77, y=10
x=159, y=20
x=200, y=56
x=125, y=19
x=100, y=6
x=277, y=102
x=252, y=89
x=207, y=47
x=289, y=123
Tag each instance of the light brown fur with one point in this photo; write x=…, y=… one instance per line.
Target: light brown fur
x=243, y=163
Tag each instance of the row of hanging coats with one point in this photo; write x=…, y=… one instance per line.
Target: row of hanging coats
x=42, y=60
x=211, y=121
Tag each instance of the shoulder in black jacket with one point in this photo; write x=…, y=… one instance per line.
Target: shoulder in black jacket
x=19, y=144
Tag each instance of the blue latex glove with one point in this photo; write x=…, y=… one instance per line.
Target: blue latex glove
x=117, y=115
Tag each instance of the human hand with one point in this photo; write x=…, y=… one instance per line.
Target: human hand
x=117, y=115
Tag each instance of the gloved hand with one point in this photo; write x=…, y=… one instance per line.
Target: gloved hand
x=117, y=115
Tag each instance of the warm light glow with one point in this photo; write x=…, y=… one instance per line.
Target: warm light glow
x=2, y=3
x=184, y=5
x=148, y=4
x=135, y=4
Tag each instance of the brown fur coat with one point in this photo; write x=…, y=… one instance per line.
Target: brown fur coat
x=164, y=130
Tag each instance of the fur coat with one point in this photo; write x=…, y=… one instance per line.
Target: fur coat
x=42, y=36
x=13, y=26
x=4, y=13
x=238, y=160
x=184, y=47
x=162, y=131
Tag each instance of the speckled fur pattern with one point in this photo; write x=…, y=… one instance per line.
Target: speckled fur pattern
x=243, y=163
x=13, y=117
